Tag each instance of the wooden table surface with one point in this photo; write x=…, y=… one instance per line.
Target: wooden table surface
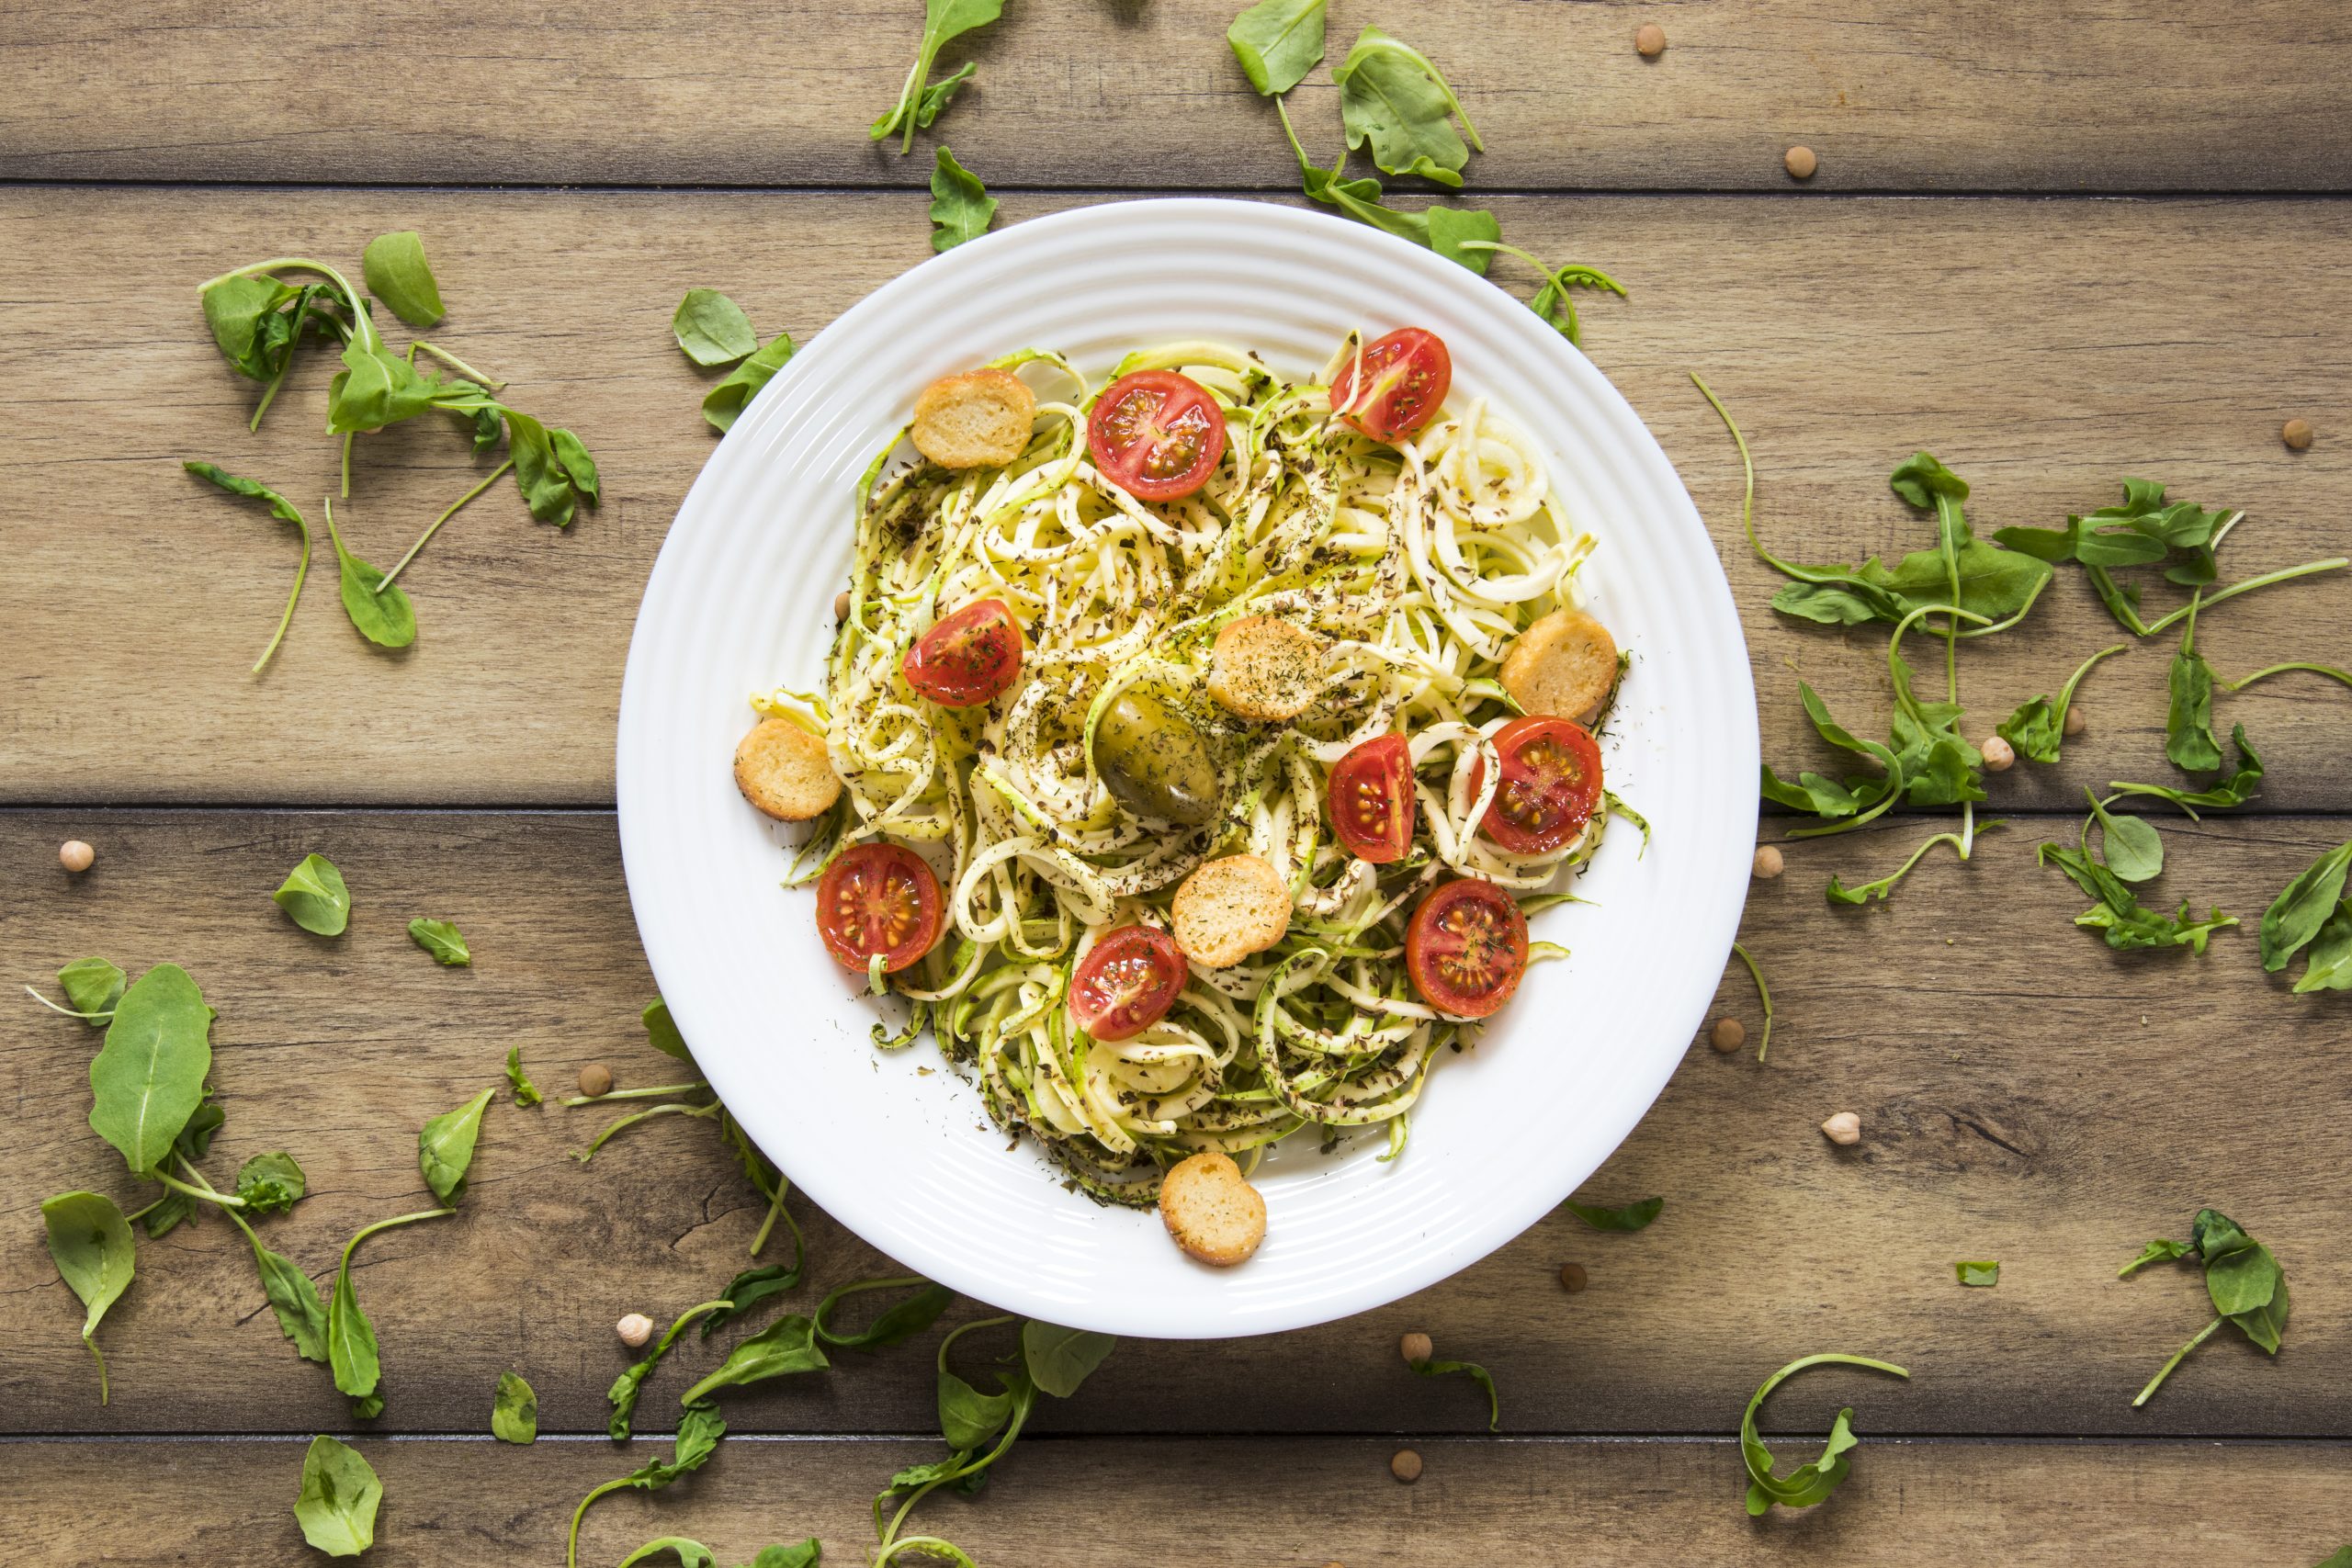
x=2056, y=244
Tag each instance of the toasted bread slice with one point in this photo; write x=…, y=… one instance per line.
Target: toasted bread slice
x=1211, y=1208
x=1230, y=908
x=1263, y=668
x=1564, y=666
x=978, y=419
x=784, y=770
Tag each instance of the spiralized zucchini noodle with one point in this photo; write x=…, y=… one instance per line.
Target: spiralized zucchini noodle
x=1414, y=564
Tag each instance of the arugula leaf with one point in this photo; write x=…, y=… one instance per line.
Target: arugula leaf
x=2340, y=1558
x=93, y=986
x=1808, y=1484
x=787, y=1346
x=2235, y=790
x=2188, y=718
x=1429, y=1369
x=148, y=1077
x=444, y=1148
x=961, y=207
x=376, y=387
x=515, y=1411
x=753, y=1286
x=2122, y=919
x=1884, y=888
x=1464, y=236
x=1554, y=301
x=712, y=329
x=314, y=897
x=2243, y=1280
x=662, y=1030
x=900, y=1320
x=1058, y=1359
x=919, y=101
x=442, y=941
x=690, y=1553
x=543, y=475
x=396, y=272
x=381, y=610
x=526, y=1091
x=1624, y=1217
x=623, y=1394
x=270, y=1183
x=1394, y=97
x=2130, y=846
x=1451, y=236
x=2036, y=730
x=2330, y=968
x=336, y=1506
x=284, y=510
x=302, y=1315
x=1278, y=42
x=727, y=400
x=699, y=1430
x=1858, y=798
x=2294, y=918
x=91, y=1244
x=1985, y=1273
x=194, y=1141
x=351, y=1338
x=2157, y=1251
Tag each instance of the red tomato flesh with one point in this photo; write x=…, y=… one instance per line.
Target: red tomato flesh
x=972, y=657
x=1127, y=983
x=1156, y=434
x=877, y=898
x=1550, y=784
x=1405, y=378
x=1372, y=799
x=1466, y=948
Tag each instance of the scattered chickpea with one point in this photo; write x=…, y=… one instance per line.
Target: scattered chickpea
x=596, y=1079
x=2076, y=721
x=1769, y=862
x=841, y=605
x=1415, y=1347
x=1406, y=1466
x=1729, y=1035
x=75, y=857
x=635, y=1328
x=1801, y=163
x=2296, y=433
x=1572, y=1278
x=2000, y=755
x=1650, y=39
x=1843, y=1128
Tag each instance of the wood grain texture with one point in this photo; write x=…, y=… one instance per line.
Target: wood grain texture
x=1843, y=333
x=2026, y=1095
x=1233, y=1504
x=2108, y=95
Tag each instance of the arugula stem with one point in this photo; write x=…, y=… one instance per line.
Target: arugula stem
x=2286, y=574
x=1747, y=496
x=301, y=572
x=2165, y=1370
x=402, y=564
x=1560, y=280
x=205, y=1192
x=137, y=1214
x=1947, y=524
x=572, y=1542
x=675, y=1109
x=451, y=360
x=269, y=393
x=369, y=338
x=656, y=1092
x=930, y=1546
x=1762, y=995
x=68, y=1012
x=2330, y=670
x=346, y=464
x=775, y=1207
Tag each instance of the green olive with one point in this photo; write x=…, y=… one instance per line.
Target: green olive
x=1153, y=762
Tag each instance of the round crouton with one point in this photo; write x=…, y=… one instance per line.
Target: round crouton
x=1563, y=665
x=978, y=419
x=1230, y=908
x=1211, y=1210
x=1264, y=669
x=784, y=770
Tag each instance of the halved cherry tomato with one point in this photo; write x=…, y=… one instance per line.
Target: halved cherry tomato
x=1156, y=434
x=1127, y=983
x=1551, y=782
x=877, y=898
x=1406, y=376
x=1466, y=948
x=968, y=659
x=1372, y=799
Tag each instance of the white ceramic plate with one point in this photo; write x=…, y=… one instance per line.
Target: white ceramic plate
x=741, y=599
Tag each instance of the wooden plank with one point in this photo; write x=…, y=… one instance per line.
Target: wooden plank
x=1894, y=94
x=2026, y=1095
x=1238, y=1502
x=134, y=591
